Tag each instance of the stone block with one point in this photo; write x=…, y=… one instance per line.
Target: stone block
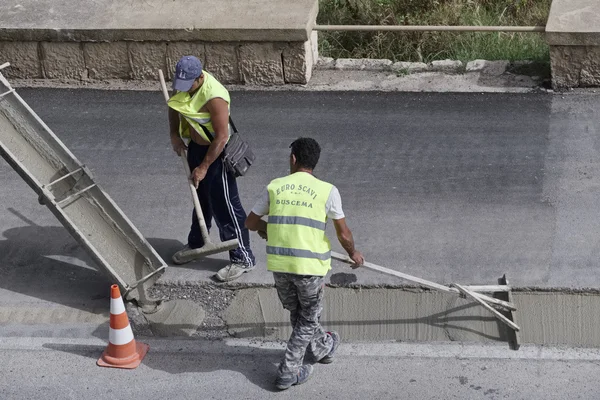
x=298, y=62
x=63, y=60
x=326, y=63
x=222, y=61
x=107, y=60
x=488, y=67
x=261, y=63
x=573, y=23
x=23, y=58
x=360, y=64
x=575, y=66
x=495, y=67
x=345, y=64
x=475, y=66
x=446, y=65
x=146, y=59
x=411, y=67
x=176, y=50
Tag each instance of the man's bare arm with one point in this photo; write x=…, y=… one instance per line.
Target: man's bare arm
x=345, y=238
x=255, y=222
x=219, y=115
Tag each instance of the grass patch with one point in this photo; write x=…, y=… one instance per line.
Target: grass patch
x=429, y=46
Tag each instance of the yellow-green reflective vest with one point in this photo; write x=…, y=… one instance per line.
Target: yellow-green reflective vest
x=297, y=243
x=187, y=106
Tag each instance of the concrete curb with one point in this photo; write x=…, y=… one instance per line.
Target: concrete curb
x=402, y=67
x=245, y=310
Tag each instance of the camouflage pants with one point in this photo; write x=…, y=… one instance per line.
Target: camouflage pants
x=302, y=296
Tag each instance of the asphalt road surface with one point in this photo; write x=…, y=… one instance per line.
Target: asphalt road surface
x=50, y=368
x=448, y=187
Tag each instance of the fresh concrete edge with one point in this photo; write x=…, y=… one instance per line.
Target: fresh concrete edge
x=172, y=286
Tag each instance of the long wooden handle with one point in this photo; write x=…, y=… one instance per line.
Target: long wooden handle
x=195, y=199
x=163, y=85
x=474, y=296
x=423, y=282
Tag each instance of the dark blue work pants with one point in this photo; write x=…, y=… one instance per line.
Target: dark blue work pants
x=219, y=198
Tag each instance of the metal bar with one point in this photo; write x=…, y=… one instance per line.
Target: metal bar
x=428, y=28
x=4, y=81
x=58, y=213
x=486, y=306
x=7, y=93
x=145, y=278
x=487, y=288
x=67, y=200
x=6, y=64
x=515, y=343
x=423, y=282
x=64, y=177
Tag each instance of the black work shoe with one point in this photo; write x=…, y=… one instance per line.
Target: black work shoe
x=302, y=376
x=328, y=359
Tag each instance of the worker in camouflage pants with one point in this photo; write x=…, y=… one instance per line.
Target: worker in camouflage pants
x=302, y=296
x=299, y=255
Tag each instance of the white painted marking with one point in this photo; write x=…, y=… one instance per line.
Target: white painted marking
x=116, y=306
x=120, y=336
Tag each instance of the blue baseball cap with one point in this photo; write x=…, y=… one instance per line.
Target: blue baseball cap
x=187, y=70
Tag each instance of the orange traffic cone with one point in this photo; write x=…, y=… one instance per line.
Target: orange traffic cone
x=122, y=351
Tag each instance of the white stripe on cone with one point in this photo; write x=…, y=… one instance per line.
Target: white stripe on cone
x=120, y=336
x=116, y=306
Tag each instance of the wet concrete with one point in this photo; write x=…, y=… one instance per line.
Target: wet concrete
x=176, y=318
x=423, y=316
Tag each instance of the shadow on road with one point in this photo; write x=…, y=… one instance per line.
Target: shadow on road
x=167, y=247
x=258, y=365
x=46, y=262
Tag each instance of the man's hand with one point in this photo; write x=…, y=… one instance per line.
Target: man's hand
x=256, y=224
x=358, y=259
x=178, y=144
x=198, y=175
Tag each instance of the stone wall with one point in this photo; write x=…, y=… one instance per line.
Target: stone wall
x=258, y=63
x=573, y=34
x=575, y=66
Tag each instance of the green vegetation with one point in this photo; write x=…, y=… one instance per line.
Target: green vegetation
x=429, y=46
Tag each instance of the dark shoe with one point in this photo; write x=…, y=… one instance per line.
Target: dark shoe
x=328, y=359
x=302, y=376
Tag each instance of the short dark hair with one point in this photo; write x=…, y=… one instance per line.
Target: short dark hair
x=307, y=152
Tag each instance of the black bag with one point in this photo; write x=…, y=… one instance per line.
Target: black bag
x=237, y=155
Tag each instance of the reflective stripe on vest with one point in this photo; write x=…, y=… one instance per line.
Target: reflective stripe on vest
x=296, y=241
x=297, y=221
x=188, y=107
x=282, y=251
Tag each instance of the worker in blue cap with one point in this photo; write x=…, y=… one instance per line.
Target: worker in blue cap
x=199, y=113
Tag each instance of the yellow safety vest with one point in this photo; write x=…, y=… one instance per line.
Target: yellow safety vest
x=297, y=243
x=188, y=106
